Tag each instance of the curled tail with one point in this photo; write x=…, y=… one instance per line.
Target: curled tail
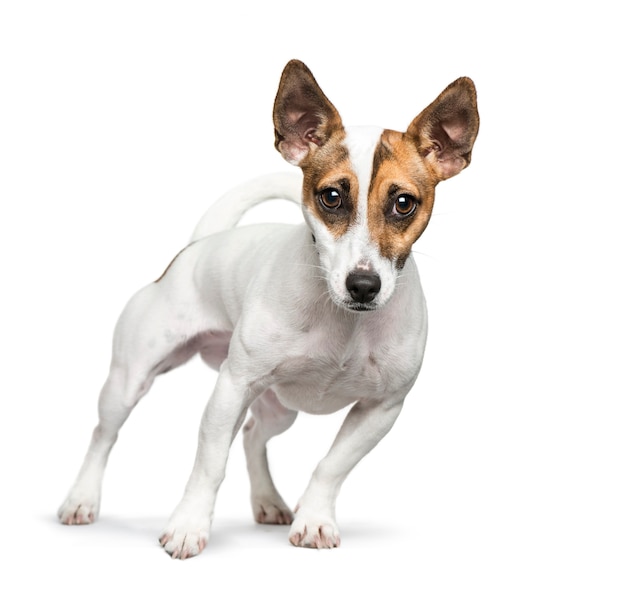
x=229, y=209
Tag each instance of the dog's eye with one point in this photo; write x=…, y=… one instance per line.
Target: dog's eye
x=404, y=205
x=330, y=198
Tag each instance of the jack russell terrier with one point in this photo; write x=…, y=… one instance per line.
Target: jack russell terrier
x=309, y=318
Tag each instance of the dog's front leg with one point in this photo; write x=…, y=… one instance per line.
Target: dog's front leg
x=364, y=426
x=187, y=531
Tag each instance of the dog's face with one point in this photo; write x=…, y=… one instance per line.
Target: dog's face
x=368, y=193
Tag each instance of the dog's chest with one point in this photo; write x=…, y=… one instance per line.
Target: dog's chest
x=324, y=373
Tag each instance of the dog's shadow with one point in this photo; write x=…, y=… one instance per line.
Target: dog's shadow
x=143, y=532
x=226, y=533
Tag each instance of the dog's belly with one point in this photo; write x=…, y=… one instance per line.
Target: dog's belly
x=322, y=386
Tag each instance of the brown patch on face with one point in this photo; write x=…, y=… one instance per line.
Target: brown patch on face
x=328, y=167
x=399, y=172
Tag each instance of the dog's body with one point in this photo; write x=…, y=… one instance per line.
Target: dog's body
x=310, y=318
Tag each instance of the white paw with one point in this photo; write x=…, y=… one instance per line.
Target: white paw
x=76, y=510
x=314, y=531
x=187, y=532
x=271, y=511
x=184, y=544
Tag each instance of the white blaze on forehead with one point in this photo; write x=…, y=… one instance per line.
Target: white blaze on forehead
x=357, y=251
x=354, y=250
x=361, y=143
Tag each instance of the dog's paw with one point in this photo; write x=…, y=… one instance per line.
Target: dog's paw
x=271, y=511
x=187, y=532
x=183, y=545
x=78, y=511
x=314, y=531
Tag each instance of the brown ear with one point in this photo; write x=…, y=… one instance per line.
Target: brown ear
x=445, y=131
x=303, y=116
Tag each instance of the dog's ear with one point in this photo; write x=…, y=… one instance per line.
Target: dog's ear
x=303, y=116
x=445, y=131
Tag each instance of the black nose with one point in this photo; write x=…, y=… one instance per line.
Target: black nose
x=363, y=287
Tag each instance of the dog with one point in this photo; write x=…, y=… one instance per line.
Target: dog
x=312, y=317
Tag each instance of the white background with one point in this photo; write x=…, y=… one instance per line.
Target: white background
x=120, y=122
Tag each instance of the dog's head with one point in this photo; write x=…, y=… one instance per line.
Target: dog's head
x=368, y=193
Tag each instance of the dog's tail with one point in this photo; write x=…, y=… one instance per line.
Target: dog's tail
x=229, y=209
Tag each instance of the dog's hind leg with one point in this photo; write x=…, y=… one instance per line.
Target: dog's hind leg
x=140, y=353
x=118, y=397
x=269, y=418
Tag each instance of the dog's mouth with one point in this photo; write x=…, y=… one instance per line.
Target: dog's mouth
x=359, y=306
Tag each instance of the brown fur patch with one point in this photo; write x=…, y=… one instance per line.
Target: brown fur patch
x=398, y=169
x=328, y=166
x=303, y=115
x=446, y=130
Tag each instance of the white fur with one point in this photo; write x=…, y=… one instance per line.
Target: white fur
x=225, y=214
